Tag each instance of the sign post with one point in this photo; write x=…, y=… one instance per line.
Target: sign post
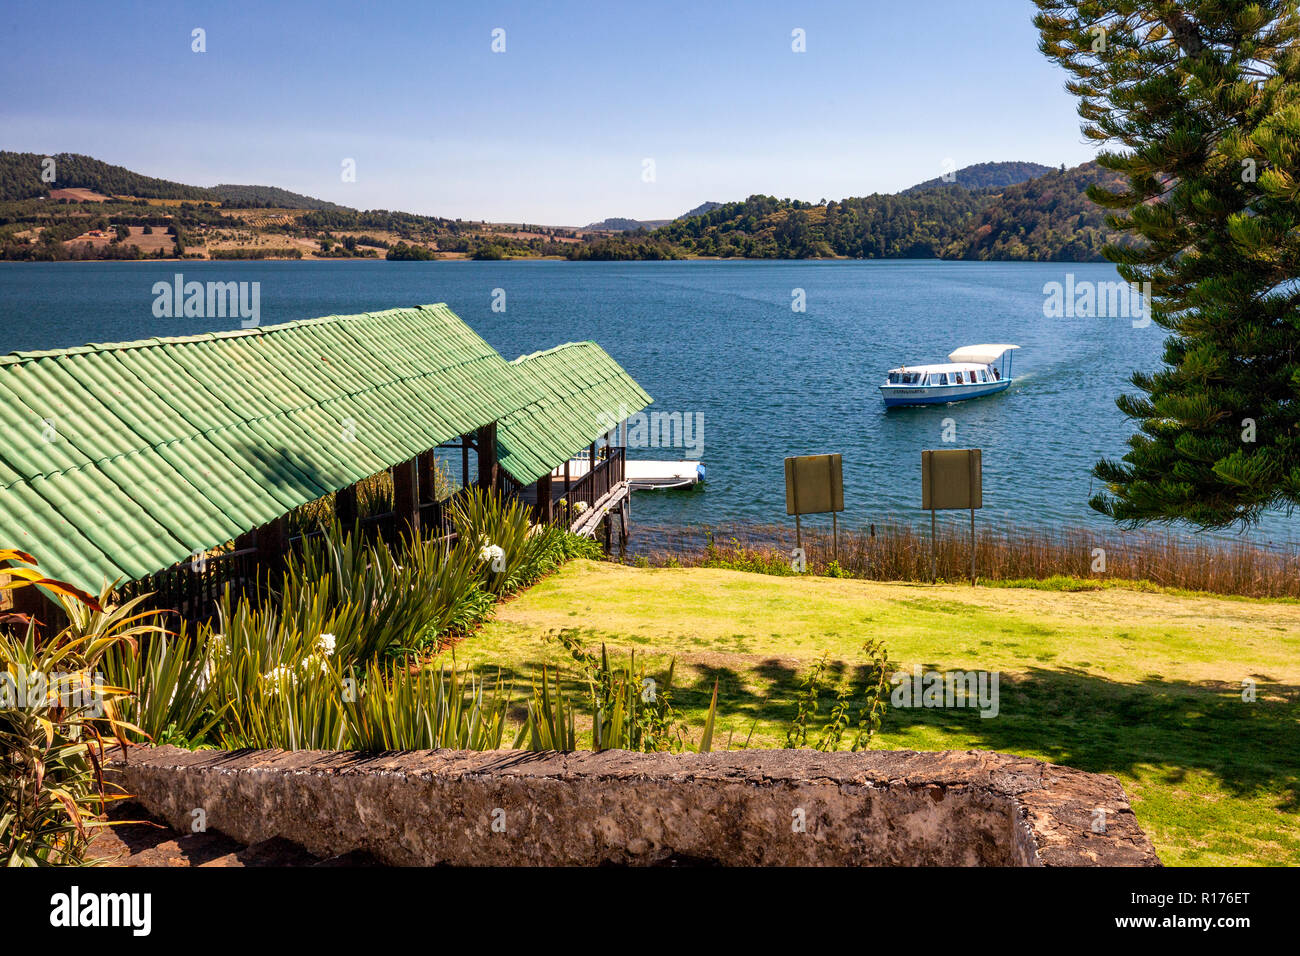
x=952, y=479
x=814, y=484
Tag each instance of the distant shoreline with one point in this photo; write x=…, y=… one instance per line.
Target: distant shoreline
x=300, y=260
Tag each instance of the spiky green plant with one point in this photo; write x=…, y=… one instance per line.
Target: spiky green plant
x=53, y=704
x=550, y=724
x=527, y=551
x=431, y=707
x=167, y=681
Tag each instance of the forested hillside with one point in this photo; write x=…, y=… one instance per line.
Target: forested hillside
x=917, y=225
x=985, y=176
x=271, y=197
x=20, y=178
x=1048, y=219
x=978, y=216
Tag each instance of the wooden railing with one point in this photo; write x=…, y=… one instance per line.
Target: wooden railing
x=192, y=588
x=607, y=472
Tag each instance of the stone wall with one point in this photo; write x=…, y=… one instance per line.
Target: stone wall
x=741, y=808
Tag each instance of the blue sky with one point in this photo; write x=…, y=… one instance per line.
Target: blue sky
x=557, y=128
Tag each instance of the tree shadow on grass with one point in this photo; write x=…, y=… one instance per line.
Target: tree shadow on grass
x=1093, y=724
x=1064, y=715
x=1069, y=717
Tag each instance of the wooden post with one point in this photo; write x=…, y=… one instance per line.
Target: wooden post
x=272, y=543
x=488, y=470
x=426, y=470
x=544, y=510
x=31, y=601
x=970, y=466
x=798, y=525
x=464, y=460
x=934, y=574
x=345, y=507
x=406, y=495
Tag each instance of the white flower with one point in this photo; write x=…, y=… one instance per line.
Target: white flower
x=280, y=678
x=580, y=507
x=491, y=553
x=212, y=655
x=317, y=661
x=325, y=644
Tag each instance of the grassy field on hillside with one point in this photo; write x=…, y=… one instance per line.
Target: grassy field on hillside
x=1145, y=686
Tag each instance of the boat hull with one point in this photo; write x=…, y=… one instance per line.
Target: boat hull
x=897, y=395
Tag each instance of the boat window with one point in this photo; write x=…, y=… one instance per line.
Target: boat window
x=959, y=381
x=893, y=378
x=943, y=378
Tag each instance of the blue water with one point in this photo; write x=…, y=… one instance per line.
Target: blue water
x=719, y=340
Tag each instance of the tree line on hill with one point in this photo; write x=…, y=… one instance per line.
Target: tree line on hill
x=990, y=211
x=21, y=178
x=984, y=176
x=1046, y=218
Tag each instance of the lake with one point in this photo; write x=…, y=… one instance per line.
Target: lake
x=721, y=343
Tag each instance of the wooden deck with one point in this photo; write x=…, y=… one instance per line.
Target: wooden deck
x=588, y=522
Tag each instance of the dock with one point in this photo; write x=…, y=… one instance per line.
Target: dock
x=644, y=475
x=594, y=500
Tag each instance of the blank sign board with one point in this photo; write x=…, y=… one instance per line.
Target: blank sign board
x=951, y=478
x=814, y=484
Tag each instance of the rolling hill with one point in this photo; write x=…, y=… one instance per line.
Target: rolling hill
x=1013, y=210
x=1044, y=218
x=271, y=197
x=984, y=176
x=20, y=178
x=1048, y=218
x=617, y=224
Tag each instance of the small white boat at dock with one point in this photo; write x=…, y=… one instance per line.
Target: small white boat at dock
x=970, y=372
x=643, y=475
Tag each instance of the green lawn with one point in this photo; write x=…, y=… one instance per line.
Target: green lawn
x=1144, y=686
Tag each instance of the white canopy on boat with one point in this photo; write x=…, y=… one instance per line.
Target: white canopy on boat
x=953, y=367
x=980, y=354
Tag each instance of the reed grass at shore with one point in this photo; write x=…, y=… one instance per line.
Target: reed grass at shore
x=1068, y=558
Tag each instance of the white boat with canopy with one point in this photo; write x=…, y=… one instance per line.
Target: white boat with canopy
x=970, y=372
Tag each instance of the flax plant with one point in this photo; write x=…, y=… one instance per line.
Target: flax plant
x=427, y=709
x=53, y=705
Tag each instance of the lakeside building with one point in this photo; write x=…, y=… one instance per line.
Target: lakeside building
x=175, y=462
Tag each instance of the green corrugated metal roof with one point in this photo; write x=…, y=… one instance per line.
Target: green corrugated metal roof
x=585, y=392
x=170, y=445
